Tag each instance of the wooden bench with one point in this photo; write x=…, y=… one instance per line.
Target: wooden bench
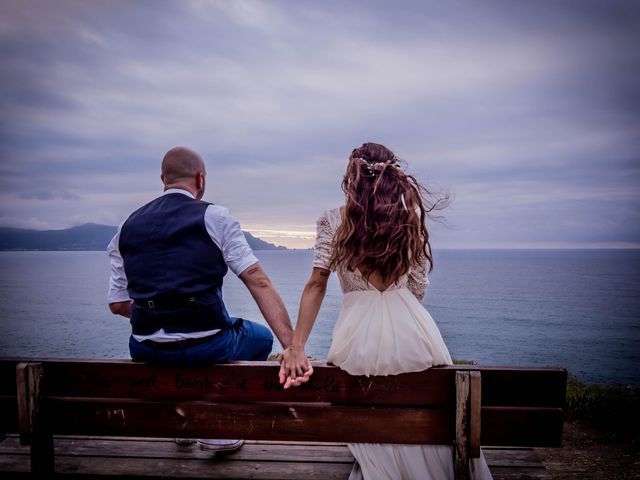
x=463, y=405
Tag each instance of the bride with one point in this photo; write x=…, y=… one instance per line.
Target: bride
x=378, y=244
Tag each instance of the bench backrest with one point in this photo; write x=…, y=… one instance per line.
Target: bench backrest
x=515, y=406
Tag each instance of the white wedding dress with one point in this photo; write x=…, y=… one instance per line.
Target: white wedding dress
x=386, y=333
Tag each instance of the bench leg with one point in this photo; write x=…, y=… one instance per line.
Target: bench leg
x=34, y=427
x=467, y=442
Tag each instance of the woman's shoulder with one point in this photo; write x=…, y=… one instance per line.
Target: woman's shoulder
x=331, y=217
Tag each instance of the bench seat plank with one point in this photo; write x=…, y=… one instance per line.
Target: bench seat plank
x=80, y=452
x=141, y=447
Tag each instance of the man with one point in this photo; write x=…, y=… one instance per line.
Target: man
x=168, y=260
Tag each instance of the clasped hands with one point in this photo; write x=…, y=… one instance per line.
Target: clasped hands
x=295, y=368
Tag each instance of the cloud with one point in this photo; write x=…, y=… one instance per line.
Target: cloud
x=534, y=103
x=29, y=223
x=48, y=195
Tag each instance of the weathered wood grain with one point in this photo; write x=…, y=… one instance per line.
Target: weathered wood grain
x=475, y=409
x=522, y=426
x=269, y=421
x=461, y=441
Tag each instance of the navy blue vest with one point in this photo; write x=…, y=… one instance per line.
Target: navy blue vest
x=169, y=258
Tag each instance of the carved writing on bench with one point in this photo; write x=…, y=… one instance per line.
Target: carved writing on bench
x=328, y=384
x=146, y=382
x=203, y=382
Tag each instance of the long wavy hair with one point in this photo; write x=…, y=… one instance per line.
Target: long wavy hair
x=384, y=227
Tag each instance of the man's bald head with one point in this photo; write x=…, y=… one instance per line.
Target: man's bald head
x=181, y=163
x=183, y=168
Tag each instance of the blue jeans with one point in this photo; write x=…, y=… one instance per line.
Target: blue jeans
x=244, y=340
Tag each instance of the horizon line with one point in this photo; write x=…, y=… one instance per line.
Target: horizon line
x=620, y=245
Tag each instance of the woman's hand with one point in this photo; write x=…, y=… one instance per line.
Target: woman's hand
x=295, y=368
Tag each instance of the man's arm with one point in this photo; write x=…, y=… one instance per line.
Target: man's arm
x=225, y=232
x=269, y=302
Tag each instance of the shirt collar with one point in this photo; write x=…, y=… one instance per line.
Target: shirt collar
x=179, y=190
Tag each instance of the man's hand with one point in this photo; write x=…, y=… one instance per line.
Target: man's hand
x=295, y=368
x=121, y=308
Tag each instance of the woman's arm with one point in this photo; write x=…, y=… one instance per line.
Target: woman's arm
x=418, y=280
x=294, y=364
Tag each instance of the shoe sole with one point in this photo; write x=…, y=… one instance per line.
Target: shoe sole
x=221, y=448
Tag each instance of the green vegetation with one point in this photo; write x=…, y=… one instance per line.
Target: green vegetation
x=613, y=410
x=460, y=361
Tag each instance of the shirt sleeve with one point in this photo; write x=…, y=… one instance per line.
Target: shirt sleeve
x=225, y=232
x=324, y=243
x=118, y=279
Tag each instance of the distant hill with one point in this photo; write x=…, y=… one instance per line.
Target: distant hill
x=258, y=244
x=89, y=236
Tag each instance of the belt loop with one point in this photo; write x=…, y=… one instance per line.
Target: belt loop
x=150, y=304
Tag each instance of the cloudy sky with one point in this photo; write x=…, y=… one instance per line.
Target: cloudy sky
x=527, y=113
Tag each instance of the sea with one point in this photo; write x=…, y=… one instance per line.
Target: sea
x=577, y=309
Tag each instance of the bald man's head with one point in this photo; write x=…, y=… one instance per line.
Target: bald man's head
x=183, y=168
x=181, y=163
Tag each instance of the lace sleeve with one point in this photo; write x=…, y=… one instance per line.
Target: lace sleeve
x=418, y=280
x=324, y=242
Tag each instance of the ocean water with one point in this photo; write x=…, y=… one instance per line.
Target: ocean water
x=579, y=309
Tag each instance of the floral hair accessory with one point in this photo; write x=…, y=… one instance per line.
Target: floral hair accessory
x=372, y=168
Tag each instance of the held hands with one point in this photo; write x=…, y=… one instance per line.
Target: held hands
x=295, y=368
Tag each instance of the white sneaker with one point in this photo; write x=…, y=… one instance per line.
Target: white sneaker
x=220, y=445
x=185, y=442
